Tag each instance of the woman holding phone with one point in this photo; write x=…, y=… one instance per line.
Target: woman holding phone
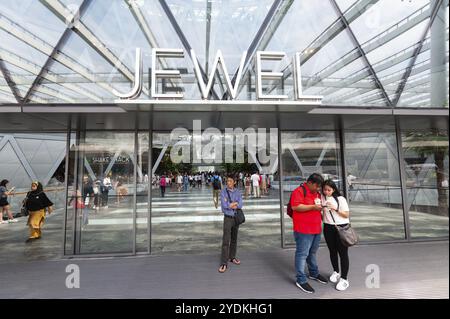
x=335, y=214
x=4, y=204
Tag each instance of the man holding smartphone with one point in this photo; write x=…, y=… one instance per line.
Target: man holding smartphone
x=307, y=218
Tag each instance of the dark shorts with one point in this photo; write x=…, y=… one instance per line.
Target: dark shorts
x=3, y=202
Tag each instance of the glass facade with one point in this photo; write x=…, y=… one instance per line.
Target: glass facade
x=380, y=132
x=86, y=49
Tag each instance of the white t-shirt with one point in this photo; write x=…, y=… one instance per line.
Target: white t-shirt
x=179, y=179
x=107, y=181
x=343, y=206
x=255, y=179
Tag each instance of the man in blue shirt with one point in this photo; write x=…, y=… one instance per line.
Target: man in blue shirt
x=231, y=199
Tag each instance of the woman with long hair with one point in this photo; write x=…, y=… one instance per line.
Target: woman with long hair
x=36, y=203
x=336, y=213
x=4, y=204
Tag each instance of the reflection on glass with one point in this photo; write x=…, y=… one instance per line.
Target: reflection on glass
x=102, y=194
x=26, y=157
x=304, y=153
x=427, y=178
x=143, y=184
x=185, y=219
x=374, y=185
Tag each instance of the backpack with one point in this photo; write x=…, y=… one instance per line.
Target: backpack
x=216, y=182
x=289, y=209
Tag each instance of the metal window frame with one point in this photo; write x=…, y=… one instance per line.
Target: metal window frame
x=340, y=135
x=402, y=172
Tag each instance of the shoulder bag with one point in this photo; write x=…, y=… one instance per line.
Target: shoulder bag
x=346, y=233
x=239, y=216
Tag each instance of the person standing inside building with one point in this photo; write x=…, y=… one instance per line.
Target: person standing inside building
x=4, y=204
x=88, y=192
x=97, y=194
x=255, y=183
x=248, y=185
x=179, y=182
x=37, y=203
x=185, y=182
x=231, y=199
x=263, y=184
x=217, y=186
x=335, y=213
x=162, y=185
x=307, y=219
x=107, y=186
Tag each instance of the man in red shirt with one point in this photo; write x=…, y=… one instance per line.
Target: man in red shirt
x=307, y=219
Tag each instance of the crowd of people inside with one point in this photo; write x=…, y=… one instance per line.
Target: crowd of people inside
x=254, y=184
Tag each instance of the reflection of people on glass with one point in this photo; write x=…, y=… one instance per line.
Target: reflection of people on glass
x=350, y=179
x=97, y=194
x=106, y=186
x=88, y=192
x=121, y=190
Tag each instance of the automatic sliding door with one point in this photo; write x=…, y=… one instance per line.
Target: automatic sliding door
x=103, y=199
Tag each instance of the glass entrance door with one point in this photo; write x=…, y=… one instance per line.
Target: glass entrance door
x=101, y=193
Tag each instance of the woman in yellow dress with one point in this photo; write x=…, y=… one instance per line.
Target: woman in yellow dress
x=36, y=203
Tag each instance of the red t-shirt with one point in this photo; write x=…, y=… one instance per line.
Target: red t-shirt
x=309, y=222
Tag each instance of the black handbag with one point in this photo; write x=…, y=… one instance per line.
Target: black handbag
x=346, y=233
x=23, y=209
x=239, y=216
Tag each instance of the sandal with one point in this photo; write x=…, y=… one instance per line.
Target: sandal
x=235, y=261
x=223, y=268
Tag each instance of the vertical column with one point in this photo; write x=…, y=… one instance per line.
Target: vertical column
x=401, y=160
x=150, y=178
x=280, y=181
x=66, y=184
x=438, y=64
x=136, y=150
x=342, y=157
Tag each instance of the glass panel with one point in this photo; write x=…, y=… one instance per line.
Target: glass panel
x=185, y=218
x=374, y=185
x=103, y=196
x=427, y=178
x=26, y=157
x=304, y=153
x=142, y=192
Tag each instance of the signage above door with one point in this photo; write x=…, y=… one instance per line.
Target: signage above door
x=205, y=88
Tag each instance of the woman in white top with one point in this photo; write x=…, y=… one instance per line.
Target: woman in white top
x=335, y=212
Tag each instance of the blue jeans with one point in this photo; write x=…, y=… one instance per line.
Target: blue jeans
x=305, y=253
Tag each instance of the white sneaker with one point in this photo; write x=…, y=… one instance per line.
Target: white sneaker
x=342, y=285
x=335, y=277
x=12, y=220
x=4, y=222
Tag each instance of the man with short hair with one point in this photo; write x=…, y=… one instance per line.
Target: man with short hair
x=307, y=219
x=255, y=182
x=231, y=199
